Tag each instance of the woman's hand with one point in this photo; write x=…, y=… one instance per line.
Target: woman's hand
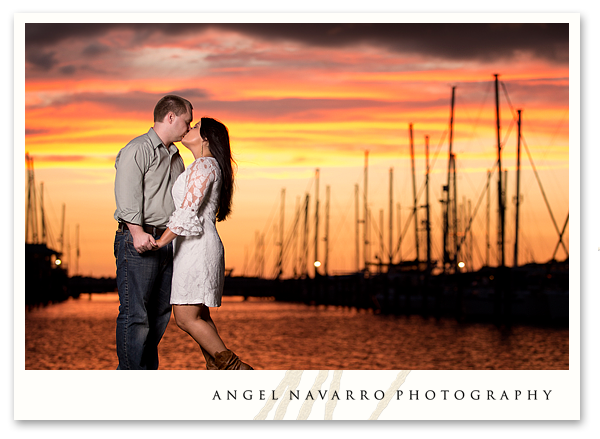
x=165, y=239
x=159, y=244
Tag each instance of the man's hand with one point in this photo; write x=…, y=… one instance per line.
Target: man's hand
x=142, y=241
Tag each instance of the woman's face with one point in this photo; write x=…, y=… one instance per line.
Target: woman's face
x=193, y=137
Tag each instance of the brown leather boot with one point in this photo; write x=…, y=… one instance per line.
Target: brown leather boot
x=227, y=360
x=210, y=361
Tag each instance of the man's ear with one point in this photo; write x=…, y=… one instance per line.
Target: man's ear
x=170, y=118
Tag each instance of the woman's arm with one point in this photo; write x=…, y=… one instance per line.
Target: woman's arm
x=185, y=221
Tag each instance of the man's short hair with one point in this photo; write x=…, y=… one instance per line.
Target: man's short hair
x=176, y=104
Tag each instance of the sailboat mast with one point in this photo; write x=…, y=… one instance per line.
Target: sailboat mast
x=454, y=212
x=428, y=223
x=487, y=221
x=62, y=231
x=399, y=215
x=356, y=227
x=447, y=187
x=366, y=212
x=281, y=224
x=500, y=192
x=68, y=251
x=414, y=185
x=257, y=252
x=316, y=221
x=326, y=260
x=391, y=224
x=77, y=250
x=31, y=223
x=305, y=243
x=516, y=256
x=471, y=257
x=297, y=255
x=43, y=217
x=381, y=250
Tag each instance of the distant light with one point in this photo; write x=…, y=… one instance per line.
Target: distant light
x=317, y=264
x=58, y=262
x=461, y=265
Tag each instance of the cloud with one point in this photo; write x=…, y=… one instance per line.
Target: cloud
x=254, y=109
x=41, y=39
x=460, y=41
x=95, y=49
x=42, y=60
x=38, y=131
x=68, y=70
x=60, y=158
x=43, y=35
x=122, y=102
x=453, y=41
x=302, y=110
x=537, y=91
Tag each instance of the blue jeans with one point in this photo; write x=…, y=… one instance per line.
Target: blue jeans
x=144, y=284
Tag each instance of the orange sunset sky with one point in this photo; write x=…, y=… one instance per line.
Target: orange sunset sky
x=297, y=97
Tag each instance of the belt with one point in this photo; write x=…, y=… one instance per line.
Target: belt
x=152, y=230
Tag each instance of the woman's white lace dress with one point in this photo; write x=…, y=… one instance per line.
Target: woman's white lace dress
x=198, y=258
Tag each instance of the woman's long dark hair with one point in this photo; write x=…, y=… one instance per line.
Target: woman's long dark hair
x=218, y=141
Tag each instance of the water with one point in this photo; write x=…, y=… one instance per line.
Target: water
x=80, y=335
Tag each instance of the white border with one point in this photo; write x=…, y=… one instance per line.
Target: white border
x=103, y=394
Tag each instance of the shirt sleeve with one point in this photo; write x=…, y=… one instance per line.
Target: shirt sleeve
x=132, y=164
x=185, y=220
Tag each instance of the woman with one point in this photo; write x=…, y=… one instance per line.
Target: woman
x=202, y=194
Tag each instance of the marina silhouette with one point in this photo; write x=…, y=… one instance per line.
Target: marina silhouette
x=449, y=283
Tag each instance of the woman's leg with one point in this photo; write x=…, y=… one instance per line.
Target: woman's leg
x=205, y=315
x=210, y=360
x=190, y=319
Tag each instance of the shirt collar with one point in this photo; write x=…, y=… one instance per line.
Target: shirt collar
x=154, y=139
x=156, y=142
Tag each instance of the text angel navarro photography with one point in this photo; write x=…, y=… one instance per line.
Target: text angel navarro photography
x=400, y=395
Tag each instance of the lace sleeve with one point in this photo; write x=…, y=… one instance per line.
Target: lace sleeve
x=185, y=220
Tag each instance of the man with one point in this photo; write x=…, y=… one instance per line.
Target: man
x=146, y=168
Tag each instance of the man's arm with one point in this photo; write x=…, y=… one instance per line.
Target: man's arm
x=132, y=164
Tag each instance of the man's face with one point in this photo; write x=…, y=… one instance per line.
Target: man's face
x=181, y=126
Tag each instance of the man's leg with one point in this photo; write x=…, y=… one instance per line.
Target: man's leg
x=136, y=274
x=159, y=305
